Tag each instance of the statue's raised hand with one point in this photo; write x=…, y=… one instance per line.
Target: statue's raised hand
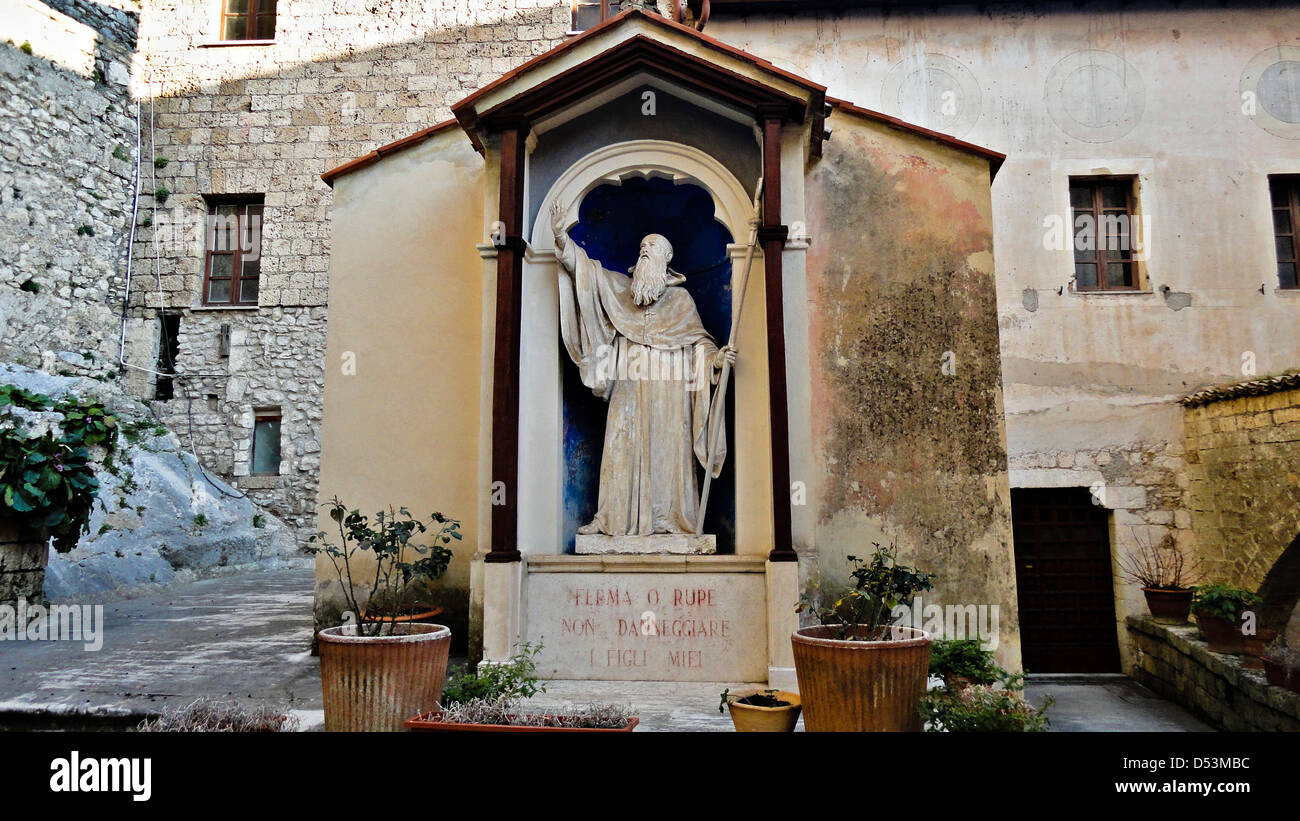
x=557, y=223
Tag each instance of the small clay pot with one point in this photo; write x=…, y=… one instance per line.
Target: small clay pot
x=755, y=718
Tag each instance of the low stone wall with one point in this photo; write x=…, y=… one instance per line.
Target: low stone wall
x=22, y=564
x=1175, y=663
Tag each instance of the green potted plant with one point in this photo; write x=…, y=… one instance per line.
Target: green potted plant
x=1220, y=613
x=377, y=672
x=515, y=678
x=962, y=663
x=858, y=671
x=1164, y=574
x=761, y=710
x=503, y=715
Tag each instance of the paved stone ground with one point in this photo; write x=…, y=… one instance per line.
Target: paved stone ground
x=1110, y=704
x=246, y=638
x=240, y=637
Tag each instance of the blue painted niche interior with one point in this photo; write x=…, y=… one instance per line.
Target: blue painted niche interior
x=612, y=220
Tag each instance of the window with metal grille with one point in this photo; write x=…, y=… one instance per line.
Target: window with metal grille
x=248, y=20
x=1284, y=192
x=233, y=262
x=1102, y=216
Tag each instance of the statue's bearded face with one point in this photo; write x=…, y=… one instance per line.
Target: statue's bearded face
x=650, y=276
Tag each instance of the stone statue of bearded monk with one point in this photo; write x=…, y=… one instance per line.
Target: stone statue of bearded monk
x=639, y=344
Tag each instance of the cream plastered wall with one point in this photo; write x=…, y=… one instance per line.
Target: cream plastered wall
x=402, y=426
x=1163, y=95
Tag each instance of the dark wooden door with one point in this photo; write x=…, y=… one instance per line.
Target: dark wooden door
x=1063, y=575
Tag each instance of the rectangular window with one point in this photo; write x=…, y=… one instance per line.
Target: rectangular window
x=1102, y=216
x=233, y=261
x=583, y=14
x=248, y=20
x=266, y=443
x=1285, y=194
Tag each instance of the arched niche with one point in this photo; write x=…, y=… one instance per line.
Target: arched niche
x=541, y=432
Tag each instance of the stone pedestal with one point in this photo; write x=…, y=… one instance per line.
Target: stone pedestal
x=687, y=544
x=649, y=618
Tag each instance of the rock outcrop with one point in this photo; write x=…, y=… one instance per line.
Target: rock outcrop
x=160, y=517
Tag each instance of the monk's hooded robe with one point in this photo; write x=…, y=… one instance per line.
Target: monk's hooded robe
x=653, y=365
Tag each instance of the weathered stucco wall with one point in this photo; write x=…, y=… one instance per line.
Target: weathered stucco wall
x=1091, y=380
x=906, y=388
x=1244, y=471
x=402, y=390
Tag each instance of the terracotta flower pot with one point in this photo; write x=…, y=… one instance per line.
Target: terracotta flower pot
x=1222, y=635
x=1274, y=671
x=375, y=683
x=1168, y=606
x=1254, y=648
x=861, y=686
x=753, y=718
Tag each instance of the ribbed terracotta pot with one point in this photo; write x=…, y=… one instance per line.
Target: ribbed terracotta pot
x=373, y=684
x=861, y=686
x=1168, y=606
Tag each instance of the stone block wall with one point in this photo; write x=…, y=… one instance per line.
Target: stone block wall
x=67, y=160
x=1244, y=472
x=341, y=78
x=22, y=564
x=275, y=362
x=1175, y=663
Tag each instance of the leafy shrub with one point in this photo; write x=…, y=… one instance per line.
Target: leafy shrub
x=389, y=539
x=964, y=658
x=1224, y=602
x=879, y=586
x=513, y=679
x=982, y=709
x=47, y=480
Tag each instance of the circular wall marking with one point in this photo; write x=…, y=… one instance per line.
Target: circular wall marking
x=1094, y=96
x=1270, y=91
x=934, y=91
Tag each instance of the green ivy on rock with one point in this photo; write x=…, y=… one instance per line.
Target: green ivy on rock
x=47, y=481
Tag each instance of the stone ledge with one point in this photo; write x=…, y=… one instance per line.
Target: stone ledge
x=1175, y=663
x=571, y=563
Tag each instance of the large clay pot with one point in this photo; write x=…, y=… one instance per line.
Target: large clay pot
x=861, y=686
x=1168, y=606
x=753, y=718
x=1222, y=635
x=375, y=683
